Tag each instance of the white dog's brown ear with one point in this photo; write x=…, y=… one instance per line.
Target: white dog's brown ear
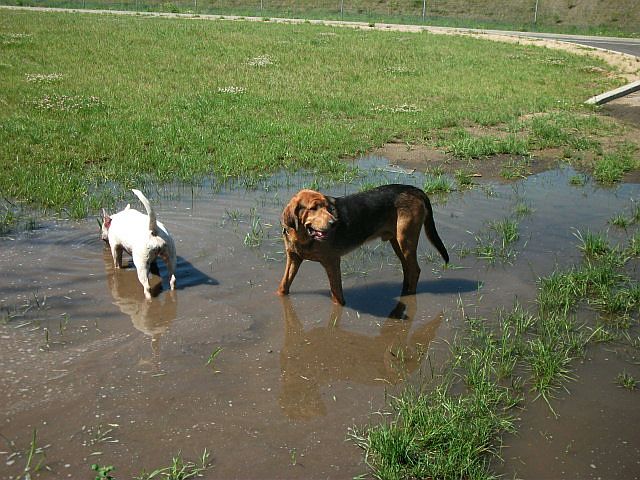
x=106, y=219
x=290, y=214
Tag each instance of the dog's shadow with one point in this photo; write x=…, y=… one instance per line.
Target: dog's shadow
x=319, y=356
x=187, y=275
x=379, y=298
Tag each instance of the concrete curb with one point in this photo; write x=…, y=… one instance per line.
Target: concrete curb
x=613, y=94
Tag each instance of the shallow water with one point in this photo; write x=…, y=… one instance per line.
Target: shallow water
x=83, y=353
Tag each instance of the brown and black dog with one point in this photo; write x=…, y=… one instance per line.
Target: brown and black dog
x=322, y=228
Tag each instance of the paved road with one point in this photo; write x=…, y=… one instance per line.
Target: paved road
x=630, y=46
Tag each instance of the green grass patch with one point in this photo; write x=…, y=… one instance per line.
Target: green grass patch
x=612, y=166
x=162, y=100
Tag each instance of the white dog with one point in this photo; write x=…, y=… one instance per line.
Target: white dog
x=142, y=237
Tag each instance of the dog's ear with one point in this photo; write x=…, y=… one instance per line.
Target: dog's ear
x=290, y=214
x=331, y=206
x=106, y=219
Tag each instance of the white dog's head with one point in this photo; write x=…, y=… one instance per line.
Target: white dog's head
x=105, y=223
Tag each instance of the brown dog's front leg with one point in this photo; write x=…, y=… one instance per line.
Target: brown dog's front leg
x=290, y=270
x=332, y=267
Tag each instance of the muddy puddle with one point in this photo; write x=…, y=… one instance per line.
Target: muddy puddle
x=104, y=376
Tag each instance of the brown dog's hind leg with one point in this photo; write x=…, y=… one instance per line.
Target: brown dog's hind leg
x=332, y=267
x=290, y=271
x=406, y=246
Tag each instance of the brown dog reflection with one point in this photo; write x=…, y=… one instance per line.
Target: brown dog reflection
x=314, y=358
x=150, y=316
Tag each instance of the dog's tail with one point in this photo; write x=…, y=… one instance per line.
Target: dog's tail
x=432, y=233
x=153, y=225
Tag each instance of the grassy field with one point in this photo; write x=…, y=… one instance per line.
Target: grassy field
x=93, y=104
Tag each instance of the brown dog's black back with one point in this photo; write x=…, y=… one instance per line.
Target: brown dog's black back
x=360, y=215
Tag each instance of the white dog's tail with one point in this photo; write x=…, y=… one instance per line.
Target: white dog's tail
x=153, y=226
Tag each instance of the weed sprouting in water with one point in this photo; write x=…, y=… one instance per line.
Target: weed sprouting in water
x=103, y=472
x=212, y=357
x=592, y=244
x=578, y=180
x=620, y=220
x=33, y=303
x=633, y=247
x=255, y=236
x=613, y=165
x=36, y=458
x=507, y=229
x=233, y=215
x=522, y=209
x=463, y=178
x=438, y=184
x=627, y=381
x=179, y=469
x=498, y=246
x=515, y=169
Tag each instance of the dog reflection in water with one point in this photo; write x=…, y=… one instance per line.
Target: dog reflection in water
x=314, y=358
x=150, y=316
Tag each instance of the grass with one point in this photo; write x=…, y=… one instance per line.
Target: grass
x=496, y=243
x=179, y=469
x=212, y=357
x=454, y=426
x=627, y=381
x=612, y=166
x=123, y=111
x=103, y=472
x=438, y=184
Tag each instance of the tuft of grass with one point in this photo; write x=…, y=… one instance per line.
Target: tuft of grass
x=620, y=220
x=522, y=209
x=633, y=248
x=497, y=243
x=438, y=184
x=507, y=230
x=463, y=178
x=592, y=244
x=103, y=472
x=627, y=381
x=437, y=435
x=577, y=180
x=179, y=469
x=516, y=168
x=212, y=357
x=467, y=146
x=612, y=167
x=255, y=236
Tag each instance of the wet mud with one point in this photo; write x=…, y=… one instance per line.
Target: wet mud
x=269, y=385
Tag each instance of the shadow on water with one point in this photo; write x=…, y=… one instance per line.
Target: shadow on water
x=189, y=274
x=377, y=298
